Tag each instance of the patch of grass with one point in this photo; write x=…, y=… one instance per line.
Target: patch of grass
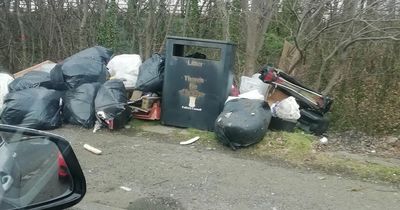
x=294, y=147
x=202, y=134
x=298, y=149
x=207, y=138
x=364, y=170
x=136, y=123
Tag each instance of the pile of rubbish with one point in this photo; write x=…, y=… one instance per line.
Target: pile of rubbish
x=92, y=89
x=270, y=100
x=77, y=91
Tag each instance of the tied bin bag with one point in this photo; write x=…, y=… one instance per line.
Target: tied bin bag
x=79, y=105
x=111, y=104
x=87, y=66
x=37, y=108
x=243, y=122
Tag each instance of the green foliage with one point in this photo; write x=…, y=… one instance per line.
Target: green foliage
x=194, y=16
x=234, y=22
x=271, y=51
x=107, y=33
x=368, y=98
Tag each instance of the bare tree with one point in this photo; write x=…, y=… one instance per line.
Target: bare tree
x=258, y=16
x=85, y=13
x=340, y=30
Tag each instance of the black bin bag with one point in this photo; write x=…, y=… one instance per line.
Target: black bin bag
x=31, y=80
x=97, y=53
x=79, y=105
x=151, y=74
x=313, y=122
x=243, y=122
x=37, y=108
x=111, y=104
x=87, y=66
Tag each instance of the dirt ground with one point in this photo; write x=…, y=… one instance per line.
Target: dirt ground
x=360, y=143
x=158, y=173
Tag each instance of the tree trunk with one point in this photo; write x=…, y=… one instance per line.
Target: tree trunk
x=168, y=28
x=257, y=21
x=149, y=30
x=23, y=36
x=85, y=11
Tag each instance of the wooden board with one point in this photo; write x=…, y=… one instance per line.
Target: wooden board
x=32, y=68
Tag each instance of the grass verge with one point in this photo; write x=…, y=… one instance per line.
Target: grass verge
x=296, y=149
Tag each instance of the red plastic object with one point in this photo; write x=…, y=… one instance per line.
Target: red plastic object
x=153, y=114
x=62, y=166
x=234, y=91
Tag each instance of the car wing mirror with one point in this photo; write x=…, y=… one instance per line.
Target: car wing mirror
x=38, y=170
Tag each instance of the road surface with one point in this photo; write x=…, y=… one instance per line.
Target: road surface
x=161, y=174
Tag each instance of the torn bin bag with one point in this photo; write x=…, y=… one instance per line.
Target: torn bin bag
x=111, y=104
x=313, y=122
x=37, y=108
x=79, y=105
x=151, y=74
x=243, y=122
x=31, y=80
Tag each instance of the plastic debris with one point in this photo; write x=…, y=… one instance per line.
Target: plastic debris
x=92, y=149
x=126, y=188
x=287, y=109
x=248, y=84
x=323, y=140
x=190, y=141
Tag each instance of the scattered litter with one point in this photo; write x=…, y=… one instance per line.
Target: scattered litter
x=92, y=149
x=190, y=141
x=125, y=188
x=373, y=151
x=323, y=140
x=127, y=126
x=97, y=126
x=321, y=178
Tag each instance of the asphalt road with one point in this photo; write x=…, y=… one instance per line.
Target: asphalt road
x=161, y=174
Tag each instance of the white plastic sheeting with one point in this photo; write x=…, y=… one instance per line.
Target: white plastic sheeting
x=5, y=79
x=287, y=109
x=248, y=84
x=253, y=95
x=126, y=68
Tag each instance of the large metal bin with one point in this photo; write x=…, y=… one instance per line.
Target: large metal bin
x=196, y=88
